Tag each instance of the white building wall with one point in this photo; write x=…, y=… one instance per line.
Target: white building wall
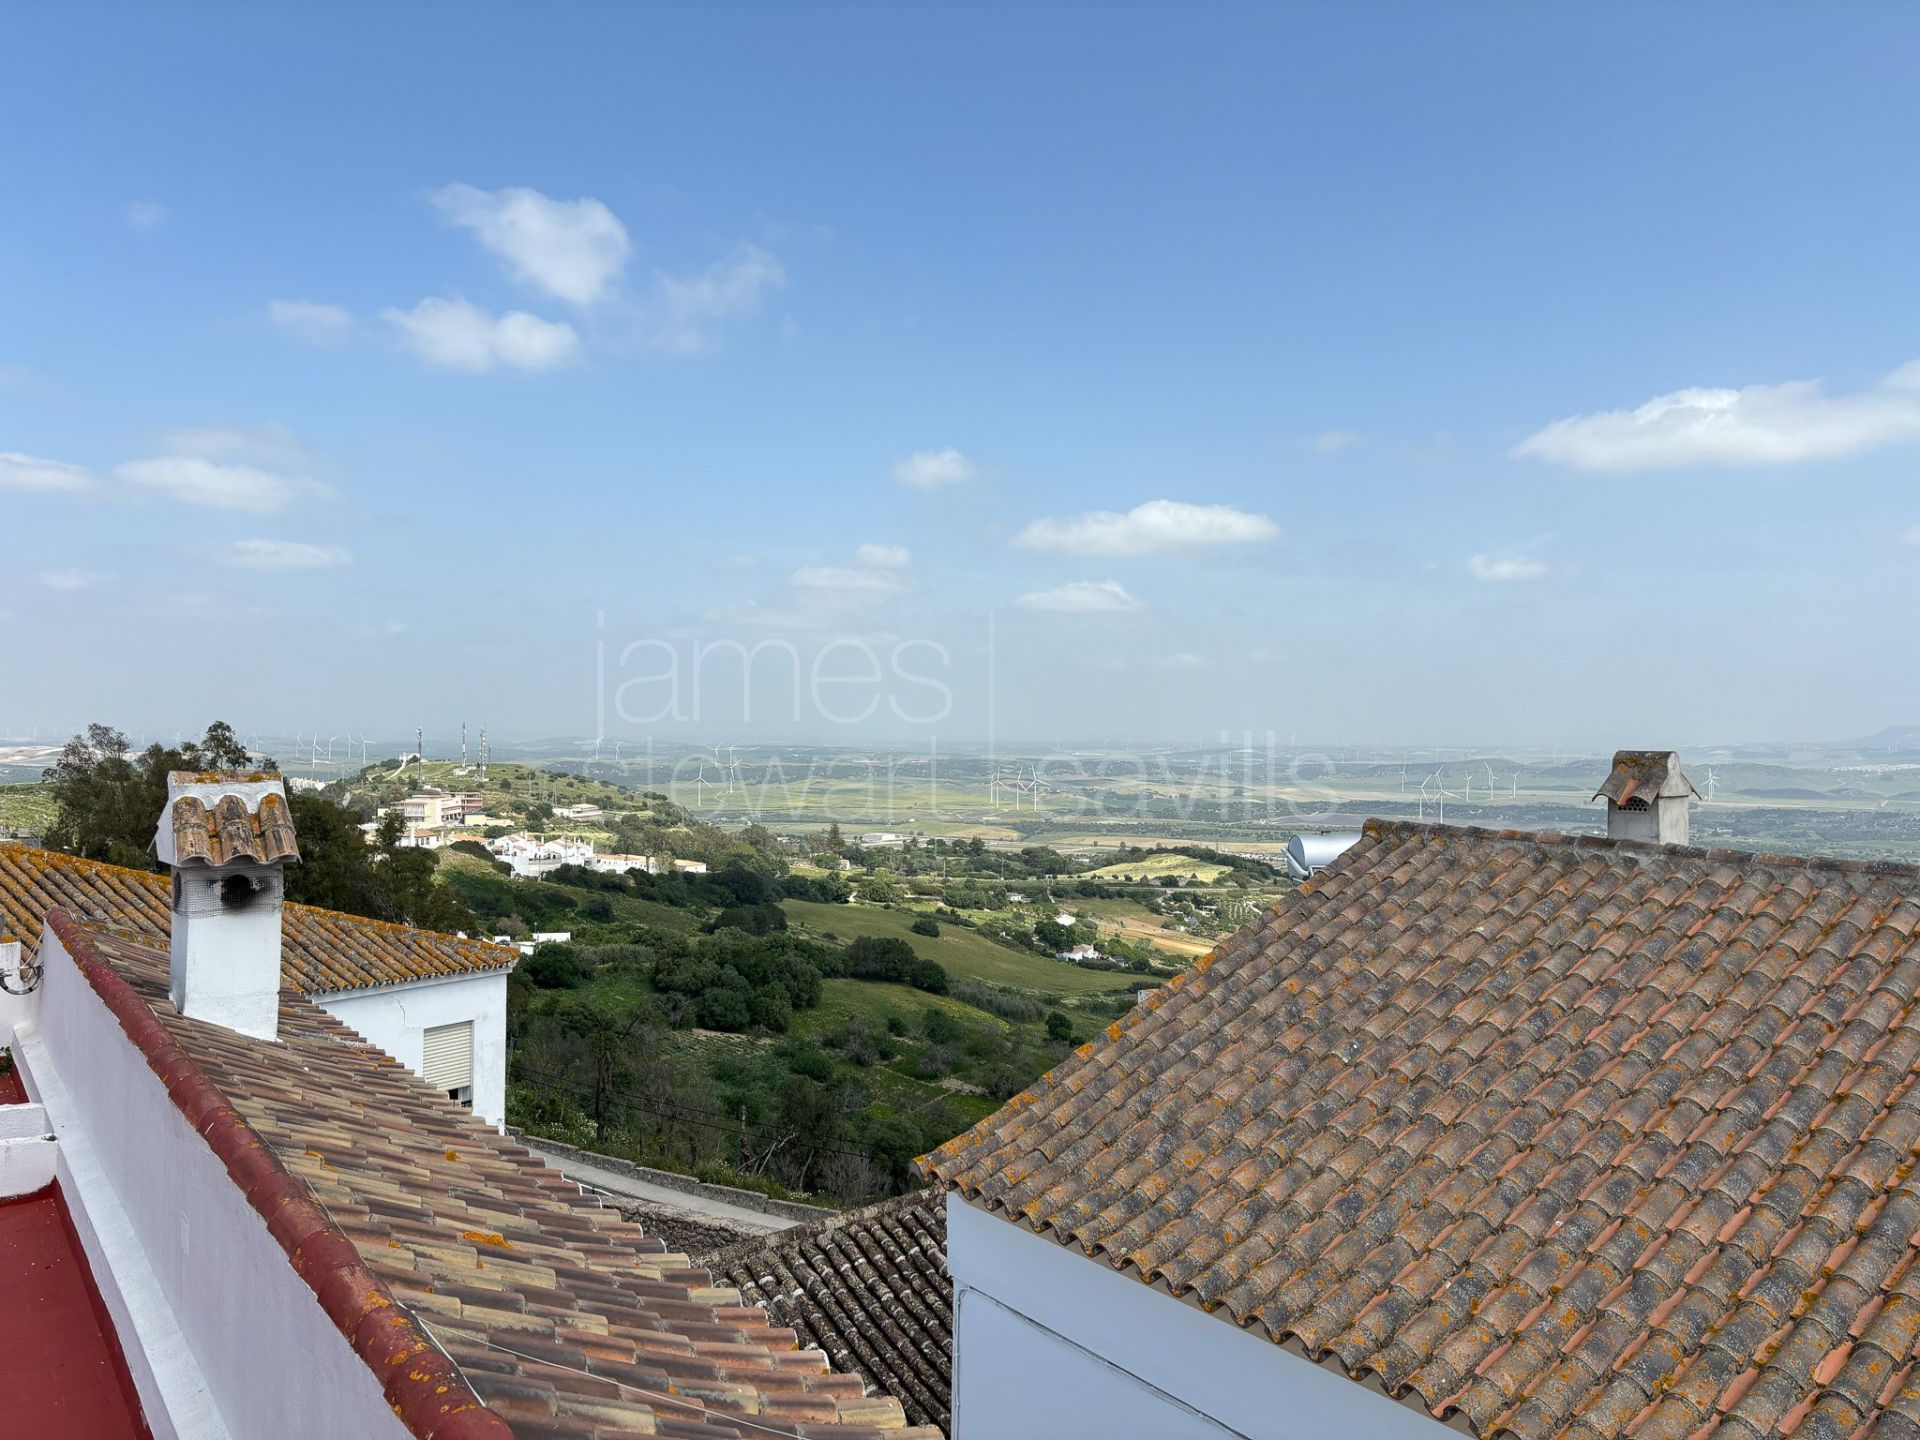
x=221, y=1335
x=397, y=1017
x=1048, y=1343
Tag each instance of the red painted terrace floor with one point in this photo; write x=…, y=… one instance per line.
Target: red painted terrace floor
x=61, y=1371
x=12, y=1092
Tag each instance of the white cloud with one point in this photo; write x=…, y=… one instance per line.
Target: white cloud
x=572, y=249
x=884, y=557
x=845, y=580
x=683, y=311
x=285, y=555
x=1488, y=567
x=268, y=445
x=69, y=579
x=146, y=214
x=1328, y=442
x=31, y=472
x=192, y=480
x=933, y=469
x=311, y=322
x=1755, y=425
x=455, y=335
x=1156, y=525
x=1082, y=597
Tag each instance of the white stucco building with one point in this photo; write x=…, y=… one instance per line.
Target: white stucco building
x=436, y=1003
x=1477, y=1132
x=449, y=1030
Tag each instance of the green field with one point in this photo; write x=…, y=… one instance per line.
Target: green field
x=960, y=950
x=25, y=809
x=1156, y=867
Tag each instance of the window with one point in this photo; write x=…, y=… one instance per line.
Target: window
x=447, y=1060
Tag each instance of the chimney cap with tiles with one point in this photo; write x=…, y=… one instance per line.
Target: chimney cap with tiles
x=228, y=837
x=217, y=818
x=1647, y=797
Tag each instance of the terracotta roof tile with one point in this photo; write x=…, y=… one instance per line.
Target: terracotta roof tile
x=1568, y=1138
x=229, y=831
x=563, y=1319
x=869, y=1290
x=322, y=951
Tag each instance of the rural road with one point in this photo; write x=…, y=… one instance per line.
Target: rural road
x=643, y=1192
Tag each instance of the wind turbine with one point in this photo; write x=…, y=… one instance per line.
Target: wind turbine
x=1713, y=782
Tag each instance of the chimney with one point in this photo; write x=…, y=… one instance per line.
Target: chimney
x=227, y=836
x=1647, y=796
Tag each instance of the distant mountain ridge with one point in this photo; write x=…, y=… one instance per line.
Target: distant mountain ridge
x=1894, y=737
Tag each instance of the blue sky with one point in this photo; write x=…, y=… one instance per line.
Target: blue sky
x=1293, y=369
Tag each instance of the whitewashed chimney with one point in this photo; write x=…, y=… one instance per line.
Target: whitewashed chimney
x=1648, y=796
x=227, y=837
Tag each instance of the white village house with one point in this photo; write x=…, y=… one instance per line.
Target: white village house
x=436, y=1003
x=1521, y=1136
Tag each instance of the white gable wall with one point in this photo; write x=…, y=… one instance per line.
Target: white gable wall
x=397, y=1017
x=1047, y=1343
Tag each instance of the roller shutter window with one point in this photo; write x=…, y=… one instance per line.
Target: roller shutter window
x=447, y=1059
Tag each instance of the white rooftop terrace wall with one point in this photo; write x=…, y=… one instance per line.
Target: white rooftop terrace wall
x=1050, y=1345
x=222, y=1337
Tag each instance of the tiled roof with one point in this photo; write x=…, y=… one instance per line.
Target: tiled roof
x=1557, y=1137
x=229, y=831
x=321, y=951
x=869, y=1290
x=424, y=1233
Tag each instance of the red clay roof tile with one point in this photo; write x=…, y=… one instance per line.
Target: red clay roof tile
x=322, y=951
x=420, y=1231
x=1575, y=1138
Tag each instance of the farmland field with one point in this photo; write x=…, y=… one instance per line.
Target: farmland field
x=958, y=949
x=1126, y=919
x=1158, y=867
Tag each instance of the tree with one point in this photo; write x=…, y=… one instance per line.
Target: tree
x=1059, y=1028
x=1052, y=935
x=108, y=800
x=926, y=925
x=606, y=1030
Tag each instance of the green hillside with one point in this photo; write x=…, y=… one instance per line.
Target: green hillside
x=960, y=950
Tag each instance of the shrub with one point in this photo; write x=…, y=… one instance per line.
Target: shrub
x=874, y=957
x=1059, y=1027
x=555, y=967
x=926, y=925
